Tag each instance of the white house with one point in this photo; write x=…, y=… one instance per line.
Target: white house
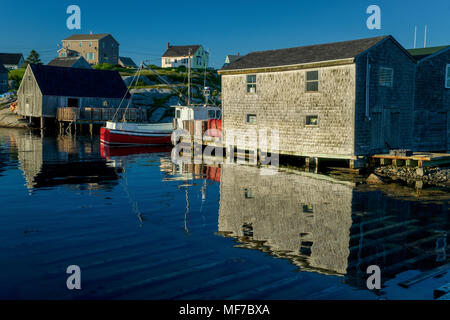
x=177, y=56
x=12, y=61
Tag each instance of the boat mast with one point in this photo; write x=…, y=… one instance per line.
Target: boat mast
x=189, y=79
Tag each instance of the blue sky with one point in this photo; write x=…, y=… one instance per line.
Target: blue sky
x=224, y=27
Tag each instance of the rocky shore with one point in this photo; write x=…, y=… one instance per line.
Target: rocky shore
x=436, y=176
x=9, y=119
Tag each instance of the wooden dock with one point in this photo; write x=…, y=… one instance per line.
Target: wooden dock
x=79, y=117
x=417, y=159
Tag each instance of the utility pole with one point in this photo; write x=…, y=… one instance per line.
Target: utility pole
x=415, y=36
x=425, y=38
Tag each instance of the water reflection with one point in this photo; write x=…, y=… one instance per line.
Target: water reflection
x=330, y=227
x=63, y=160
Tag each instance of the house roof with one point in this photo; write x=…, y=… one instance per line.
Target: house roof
x=180, y=51
x=302, y=55
x=87, y=36
x=10, y=58
x=231, y=58
x=421, y=53
x=64, y=61
x=76, y=82
x=127, y=62
x=3, y=69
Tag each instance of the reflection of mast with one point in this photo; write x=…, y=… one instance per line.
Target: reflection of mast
x=187, y=210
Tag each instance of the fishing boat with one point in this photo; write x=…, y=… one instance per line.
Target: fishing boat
x=132, y=133
x=129, y=133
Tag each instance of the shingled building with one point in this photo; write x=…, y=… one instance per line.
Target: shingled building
x=341, y=100
x=44, y=89
x=432, y=99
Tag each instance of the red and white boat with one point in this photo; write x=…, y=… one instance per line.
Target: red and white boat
x=129, y=133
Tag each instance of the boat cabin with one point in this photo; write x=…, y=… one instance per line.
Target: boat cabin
x=201, y=112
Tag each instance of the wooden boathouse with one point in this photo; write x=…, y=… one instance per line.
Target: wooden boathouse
x=73, y=95
x=345, y=100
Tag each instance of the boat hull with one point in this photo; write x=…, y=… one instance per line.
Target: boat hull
x=122, y=137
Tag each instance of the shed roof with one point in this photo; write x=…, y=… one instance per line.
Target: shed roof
x=421, y=53
x=10, y=58
x=128, y=62
x=87, y=36
x=302, y=55
x=76, y=82
x=64, y=61
x=180, y=51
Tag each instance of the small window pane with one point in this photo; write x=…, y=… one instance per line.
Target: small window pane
x=211, y=113
x=312, y=75
x=178, y=116
x=386, y=77
x=251, y=118
x=218, y=114
x=447, y=84
x=312, y=120
x=312, y=86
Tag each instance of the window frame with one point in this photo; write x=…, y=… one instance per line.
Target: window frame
x=312, y=116
x=311, y=81
x=447, y=76
x=392, y=77
x=251, y=115
x=252, y=84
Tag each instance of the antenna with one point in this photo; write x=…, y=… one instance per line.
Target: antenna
x=425, y=38
x=415, y=36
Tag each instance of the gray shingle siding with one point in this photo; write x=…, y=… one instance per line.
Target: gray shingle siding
x=391, y=108
x=432, y=104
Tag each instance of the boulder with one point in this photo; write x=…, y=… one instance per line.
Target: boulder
x=374, y=179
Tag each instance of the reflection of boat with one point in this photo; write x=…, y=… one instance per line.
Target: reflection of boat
x=108, y=151
x=126, y=133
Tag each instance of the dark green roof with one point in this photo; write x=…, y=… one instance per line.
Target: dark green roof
x=421, y=53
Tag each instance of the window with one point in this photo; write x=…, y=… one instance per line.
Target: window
x=81, y=44
x=103, y=45
x=312, y=120
x=308, y=208
x=386, y=77
x=218, y=114
x=63, y=54
x=211, y=114
x=248, y=194
x=251, y=118
x=178, y=115
x=312, y=81
x=251, y=83
x=90, y=56
x=447, y=77
x=68, y=44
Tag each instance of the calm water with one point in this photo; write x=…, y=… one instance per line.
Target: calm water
x=141, y=227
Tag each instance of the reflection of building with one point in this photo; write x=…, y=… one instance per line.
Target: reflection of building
x=329, y=227
x=50, y=161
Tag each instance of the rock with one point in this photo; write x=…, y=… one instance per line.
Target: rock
x=374, y=179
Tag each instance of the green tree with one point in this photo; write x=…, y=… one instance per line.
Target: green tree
x=33, y=58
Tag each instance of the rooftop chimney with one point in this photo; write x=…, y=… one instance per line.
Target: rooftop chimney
x=238, y=54
x=168, y=45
